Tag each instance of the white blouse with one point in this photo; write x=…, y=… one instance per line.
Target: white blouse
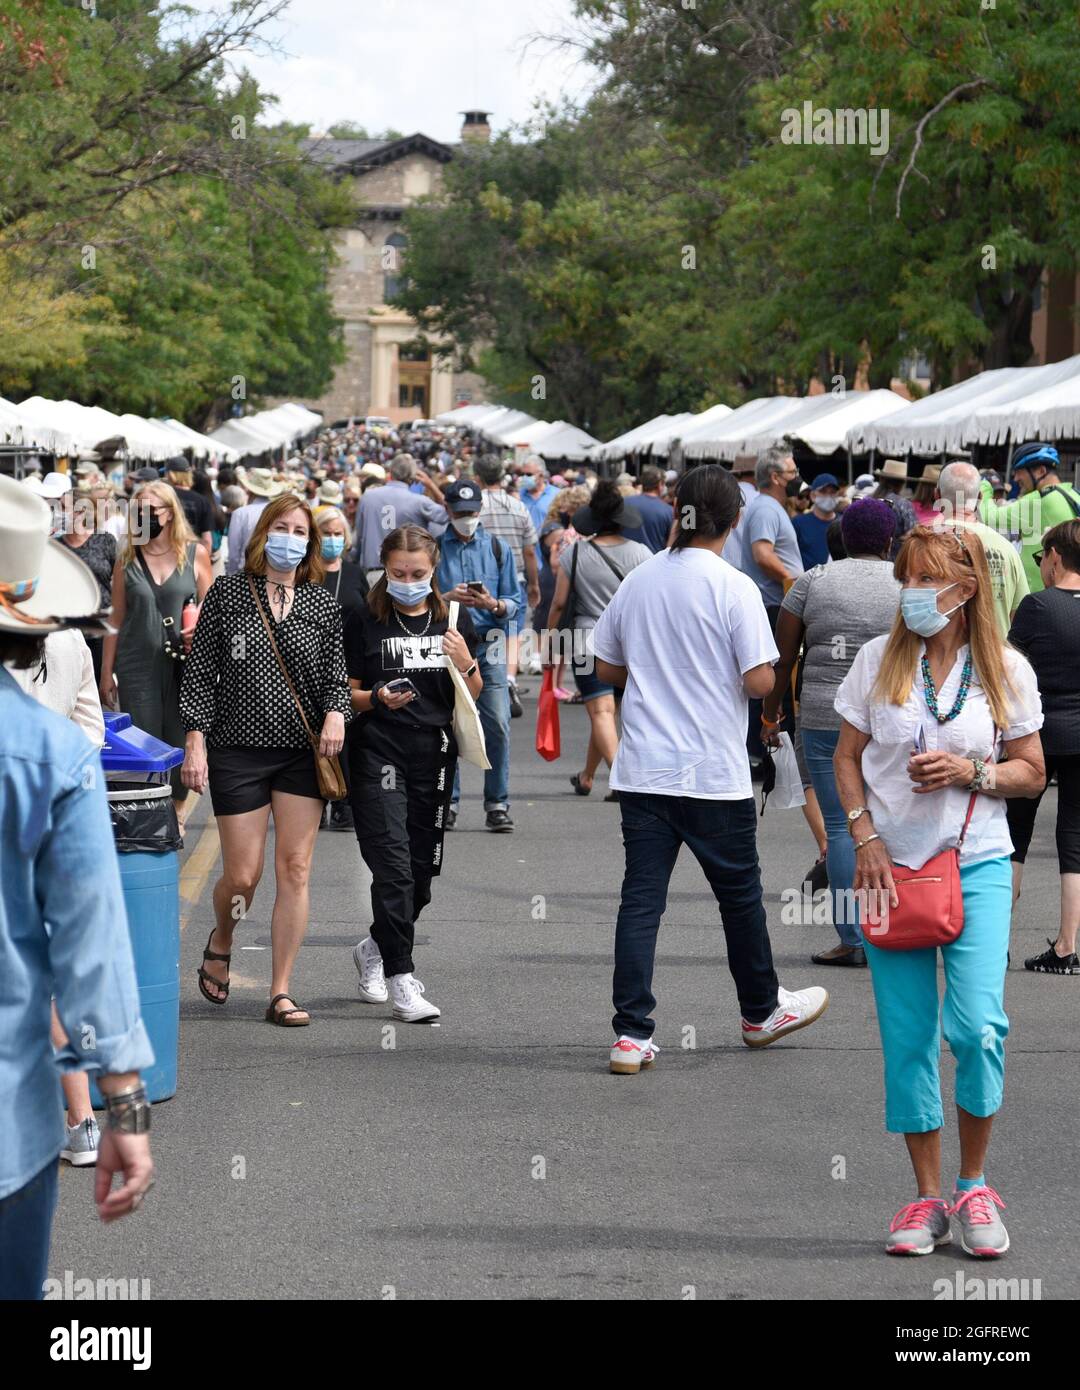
x=916, y=826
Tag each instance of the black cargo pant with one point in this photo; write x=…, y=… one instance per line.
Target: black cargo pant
x=400, y=784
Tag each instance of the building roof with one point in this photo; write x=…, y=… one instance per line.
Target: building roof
x=355, y=156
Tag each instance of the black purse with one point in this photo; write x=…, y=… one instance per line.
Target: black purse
x=172, y=641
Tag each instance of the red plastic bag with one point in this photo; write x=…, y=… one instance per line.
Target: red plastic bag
x=547, y=719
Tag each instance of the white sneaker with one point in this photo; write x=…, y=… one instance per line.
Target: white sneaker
x=410, y=1006
x=369, y=967
x=795, y=1009
x=81, y=1146
x=629, y=1055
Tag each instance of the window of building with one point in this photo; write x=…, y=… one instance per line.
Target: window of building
x=393, y=265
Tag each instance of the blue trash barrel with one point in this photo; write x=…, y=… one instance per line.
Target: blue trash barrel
x=137, y=768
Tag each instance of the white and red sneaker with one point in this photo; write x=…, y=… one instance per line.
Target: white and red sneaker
x=629, y=1055
x=795, y=1009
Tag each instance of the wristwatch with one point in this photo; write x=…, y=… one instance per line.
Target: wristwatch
x=128, y=1111
x=854, y=815
x=471, y=669
x=375, y=692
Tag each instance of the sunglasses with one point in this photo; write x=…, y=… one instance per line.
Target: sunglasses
x=1038, y=556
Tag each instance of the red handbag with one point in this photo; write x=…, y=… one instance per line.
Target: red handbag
x=931, y=910
x=547, y=719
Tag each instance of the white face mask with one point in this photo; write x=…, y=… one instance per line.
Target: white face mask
x=826, y=503
x=465, y=525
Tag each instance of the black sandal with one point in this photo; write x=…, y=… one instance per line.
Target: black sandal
x=205, y=975
x=576, y=783
x=279, y=1016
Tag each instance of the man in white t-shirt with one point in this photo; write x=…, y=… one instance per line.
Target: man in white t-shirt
x=687, y=636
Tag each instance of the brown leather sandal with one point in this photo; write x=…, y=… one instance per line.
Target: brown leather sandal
x=282, y=1016
x=205, y=975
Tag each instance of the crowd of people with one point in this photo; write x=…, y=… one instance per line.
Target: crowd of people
x=321, y=633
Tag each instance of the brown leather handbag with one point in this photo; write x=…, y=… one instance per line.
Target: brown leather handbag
x=328, y=770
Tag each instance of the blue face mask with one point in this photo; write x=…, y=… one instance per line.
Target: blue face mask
x=409, y=595
x=920, y=611
x=332, y=547
x=285, y=552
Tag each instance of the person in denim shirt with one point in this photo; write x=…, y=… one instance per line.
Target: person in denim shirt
x=469, y=556
x=63, y=928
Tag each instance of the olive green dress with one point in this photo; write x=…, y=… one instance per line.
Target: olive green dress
x=147, y=676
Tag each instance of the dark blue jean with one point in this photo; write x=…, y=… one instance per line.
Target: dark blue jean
x=722, y=836
x=25, y=1226
x=819, y=745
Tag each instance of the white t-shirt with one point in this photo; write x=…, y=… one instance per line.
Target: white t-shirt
x=687, y=626
x=917, y=825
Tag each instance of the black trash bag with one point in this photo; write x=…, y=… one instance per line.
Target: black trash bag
x=146, y=826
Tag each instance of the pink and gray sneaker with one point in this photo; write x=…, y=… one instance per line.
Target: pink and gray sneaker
x=982, y=1231
x=919, y=1228
x=629, y=1055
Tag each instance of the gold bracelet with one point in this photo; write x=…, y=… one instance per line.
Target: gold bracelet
x=859, y=843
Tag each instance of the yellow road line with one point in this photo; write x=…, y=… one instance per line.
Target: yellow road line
x=197, y=869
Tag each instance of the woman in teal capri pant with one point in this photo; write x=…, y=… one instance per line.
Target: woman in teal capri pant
x=935, y=710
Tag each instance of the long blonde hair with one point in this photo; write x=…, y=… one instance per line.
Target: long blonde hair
x=182, y=534
x=952, y=555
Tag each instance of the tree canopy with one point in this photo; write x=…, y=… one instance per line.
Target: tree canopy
x=760, y=194
x=163, y=248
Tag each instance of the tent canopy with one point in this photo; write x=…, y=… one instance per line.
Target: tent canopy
x=565, y=441
x=677, y=429
x=631, y=440
x=1026, y=402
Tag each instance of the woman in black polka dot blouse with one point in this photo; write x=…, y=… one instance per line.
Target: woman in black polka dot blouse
x=246, y=738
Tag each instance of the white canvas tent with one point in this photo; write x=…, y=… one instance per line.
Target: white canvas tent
x=726, y=438
x=827, y=431
x=504, y=426
x=633, y=441
x=677, y=429
x=565, y=441
x=1024, y=402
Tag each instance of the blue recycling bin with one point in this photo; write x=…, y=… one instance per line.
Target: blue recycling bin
x=137, y=768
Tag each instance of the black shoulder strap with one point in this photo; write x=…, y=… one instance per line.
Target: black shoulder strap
x=573, y=565
x=168, y=623
x=1068, y=498
x=612, y=566
x=496, y=550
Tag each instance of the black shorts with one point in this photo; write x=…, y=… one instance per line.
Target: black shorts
x=241, y=779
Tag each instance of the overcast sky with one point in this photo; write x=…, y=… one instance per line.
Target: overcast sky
x=415, y=64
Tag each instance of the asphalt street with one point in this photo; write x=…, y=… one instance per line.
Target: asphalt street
x=494, y=1156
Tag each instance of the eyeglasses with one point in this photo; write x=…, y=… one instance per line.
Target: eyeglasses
x=1038, y=557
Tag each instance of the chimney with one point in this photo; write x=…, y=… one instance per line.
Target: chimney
x=476, y=127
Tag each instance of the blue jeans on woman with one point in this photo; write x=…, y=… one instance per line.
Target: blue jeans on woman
x=25, y=1226
x=819, y=745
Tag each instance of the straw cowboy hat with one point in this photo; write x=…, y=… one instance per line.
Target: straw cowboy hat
x=373, y=470
x=329, y=494
x=931, y=473
x=894, y=470
x=260, y=483
x=44, y=586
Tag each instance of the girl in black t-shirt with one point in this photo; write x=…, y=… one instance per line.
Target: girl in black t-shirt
x=402, y=755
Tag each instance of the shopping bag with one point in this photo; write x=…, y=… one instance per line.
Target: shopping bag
x=547, y=718
x=787, y=791
x=468, y=731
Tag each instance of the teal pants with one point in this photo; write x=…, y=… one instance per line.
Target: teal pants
x=973, y=1017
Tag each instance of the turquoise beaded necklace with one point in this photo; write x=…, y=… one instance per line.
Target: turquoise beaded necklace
x=931, y=693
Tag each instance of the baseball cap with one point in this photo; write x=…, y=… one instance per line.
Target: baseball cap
x=824, y=480
x=463, y=496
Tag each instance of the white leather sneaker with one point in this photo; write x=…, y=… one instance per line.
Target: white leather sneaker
x=795, y=1009
x=409, y=1004
x=369, y=967
x=629, y=1055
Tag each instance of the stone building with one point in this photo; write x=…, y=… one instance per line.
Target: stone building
x=386, y=372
